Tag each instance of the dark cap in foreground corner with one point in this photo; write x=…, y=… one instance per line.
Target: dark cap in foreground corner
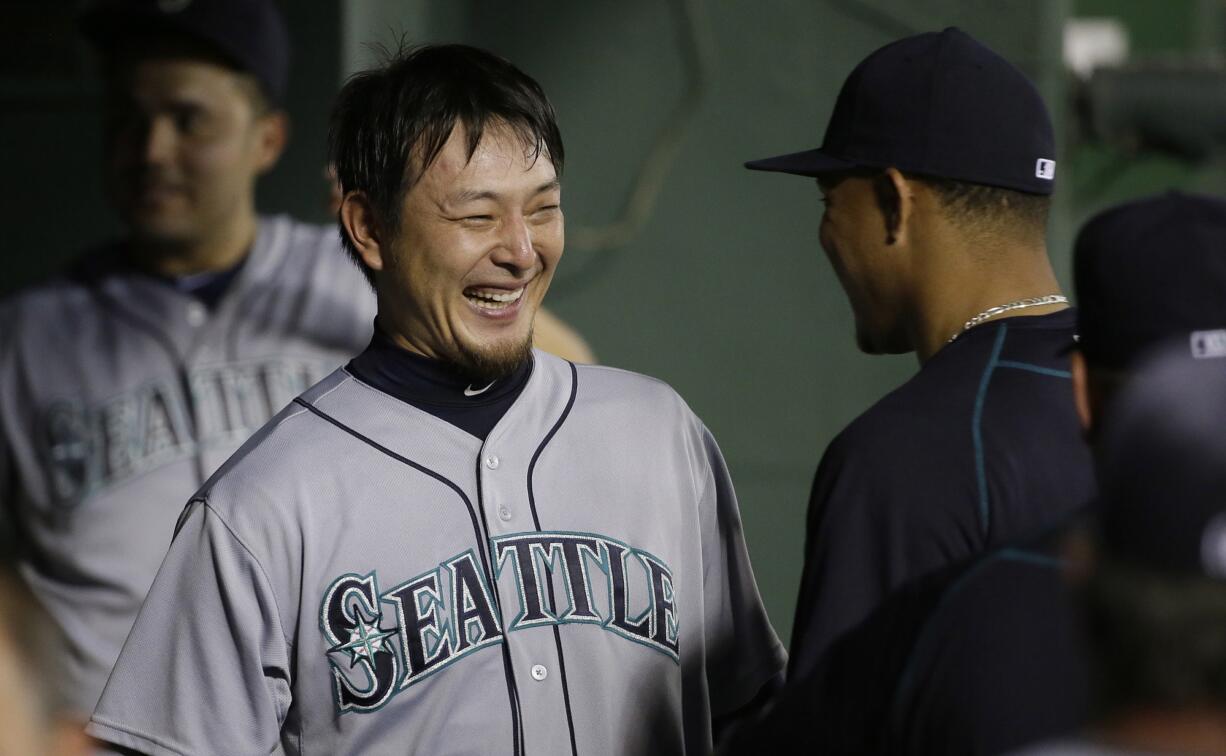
x=1149, y=270
x=939, y=104
x=250, y=33
x=1162, y=465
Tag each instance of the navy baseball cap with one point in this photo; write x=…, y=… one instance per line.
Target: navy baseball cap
x=1149, y=270
x=249, y=33
x=938, y=104
x=1162, y=465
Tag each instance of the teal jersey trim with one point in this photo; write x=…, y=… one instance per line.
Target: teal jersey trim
x=981, y=474
x=1034, y=369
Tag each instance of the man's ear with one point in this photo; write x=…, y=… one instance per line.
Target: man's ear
x=273, y=136
x=896, y=199
x=1081, y=390
x=358, y=219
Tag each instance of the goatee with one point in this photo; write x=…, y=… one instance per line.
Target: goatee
x=482, y=367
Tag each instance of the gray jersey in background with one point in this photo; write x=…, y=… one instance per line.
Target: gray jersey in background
x=363, y=577
x=119, y=394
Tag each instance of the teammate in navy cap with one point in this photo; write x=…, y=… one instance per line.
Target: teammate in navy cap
x=455, y=544
x=986, y=657
x=125, y=381
x=1146, y=271
x=935, y=170
x=249, y=34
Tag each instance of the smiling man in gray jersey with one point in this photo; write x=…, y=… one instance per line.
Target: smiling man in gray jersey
x=455, y=544
x=128, y=379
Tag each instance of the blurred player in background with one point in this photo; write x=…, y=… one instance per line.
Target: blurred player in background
x=126, y=380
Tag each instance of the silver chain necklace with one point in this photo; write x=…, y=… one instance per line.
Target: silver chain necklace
x=1020, y=304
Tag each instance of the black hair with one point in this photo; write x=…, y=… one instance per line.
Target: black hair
x=977, y=208
x=390, y=122
x=990, y=208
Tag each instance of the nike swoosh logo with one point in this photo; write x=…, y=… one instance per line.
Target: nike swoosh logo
x=470, y=391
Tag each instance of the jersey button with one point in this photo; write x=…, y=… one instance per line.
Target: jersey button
x=539, y=672
x=196, y=314
x=504, y=514
x=492, y=461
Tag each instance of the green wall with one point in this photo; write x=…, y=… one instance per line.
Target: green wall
x=1101, y=175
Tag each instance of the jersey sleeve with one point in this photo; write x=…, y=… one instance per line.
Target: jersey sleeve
x=205, y=669
x=743, y=652
x=843, y=574
x=874, y=523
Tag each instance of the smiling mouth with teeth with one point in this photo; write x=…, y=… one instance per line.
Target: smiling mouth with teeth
x=493, y=299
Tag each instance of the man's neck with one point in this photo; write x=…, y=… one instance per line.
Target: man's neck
x=961, y=285
x=220, y=250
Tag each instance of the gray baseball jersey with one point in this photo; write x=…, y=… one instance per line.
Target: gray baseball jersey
x=118, y=394
x=363, y=577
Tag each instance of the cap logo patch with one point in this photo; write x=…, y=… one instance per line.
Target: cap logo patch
x=1213, y=547
x=1045, y=169
x=1208, y=344
x=173, y=6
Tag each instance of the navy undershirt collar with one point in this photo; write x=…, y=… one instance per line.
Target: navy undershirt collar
x=208, y=288
x=437, y=387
